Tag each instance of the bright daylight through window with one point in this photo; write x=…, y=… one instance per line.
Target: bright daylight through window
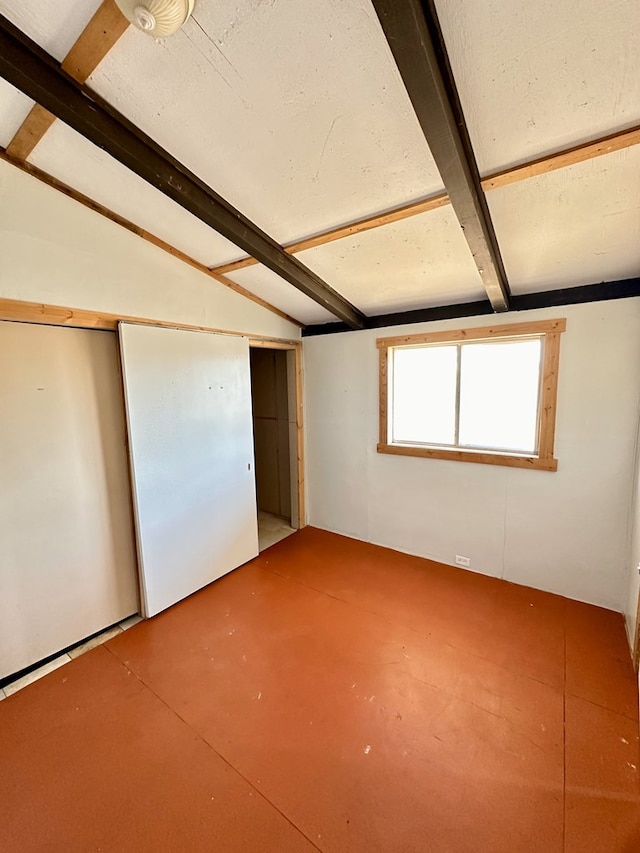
x=476, y=395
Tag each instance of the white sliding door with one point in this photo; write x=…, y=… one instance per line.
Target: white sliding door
x=67, y=556
x=188, y=400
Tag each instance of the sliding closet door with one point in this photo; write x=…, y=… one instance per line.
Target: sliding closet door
x=188, y=400
x=67, y=556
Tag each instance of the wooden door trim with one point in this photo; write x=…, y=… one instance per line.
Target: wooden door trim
x=19, y=311
x=635, y=652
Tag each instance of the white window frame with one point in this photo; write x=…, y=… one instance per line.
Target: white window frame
x=548, y=331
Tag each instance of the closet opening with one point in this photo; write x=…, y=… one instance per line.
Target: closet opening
x=275, y=389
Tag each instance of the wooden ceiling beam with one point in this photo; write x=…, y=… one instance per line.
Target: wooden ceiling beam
x=95, y=41
x=27, y=67
x=416, y=42
x=396, y=214
x=30, y=132
x=84, y=200
x=617, y=141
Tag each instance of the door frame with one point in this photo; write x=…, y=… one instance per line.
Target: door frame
x=296, y=348
x=20, y=311
x=635, y=651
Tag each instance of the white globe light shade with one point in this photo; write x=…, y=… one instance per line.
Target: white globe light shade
x=158, y=18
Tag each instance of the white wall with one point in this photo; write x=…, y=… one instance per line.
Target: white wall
x=57, y=251
x=566, y=532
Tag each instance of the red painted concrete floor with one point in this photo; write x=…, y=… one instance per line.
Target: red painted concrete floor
x=334, y=696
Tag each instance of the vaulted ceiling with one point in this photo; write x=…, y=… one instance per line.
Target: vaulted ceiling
x=296, y=113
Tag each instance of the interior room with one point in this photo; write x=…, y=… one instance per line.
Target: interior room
x=320, y=346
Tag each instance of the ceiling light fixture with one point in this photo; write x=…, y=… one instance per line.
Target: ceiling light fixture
x=158, y=18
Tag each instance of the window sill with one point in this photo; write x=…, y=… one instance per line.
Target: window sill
x=534, y=463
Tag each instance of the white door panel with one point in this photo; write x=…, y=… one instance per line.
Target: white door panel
x=67, y=555
x=188, y=399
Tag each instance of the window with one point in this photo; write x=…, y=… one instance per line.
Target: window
x=476, y=395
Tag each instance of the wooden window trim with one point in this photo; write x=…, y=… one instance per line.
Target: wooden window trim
x=544, y=460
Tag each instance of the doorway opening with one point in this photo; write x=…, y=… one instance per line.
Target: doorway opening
x=276, y=437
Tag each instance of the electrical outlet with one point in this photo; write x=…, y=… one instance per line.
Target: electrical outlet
x=463, y=561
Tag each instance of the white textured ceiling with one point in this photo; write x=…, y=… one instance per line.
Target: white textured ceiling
x=69, y=157
x=54, y=24
x=577, y=226
x=266, y=284
x=14, y=108
x=534, y=77
x=415, y=263
x=295, y=112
